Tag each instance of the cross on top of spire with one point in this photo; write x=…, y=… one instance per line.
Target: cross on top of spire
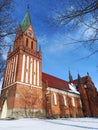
x=28, y=7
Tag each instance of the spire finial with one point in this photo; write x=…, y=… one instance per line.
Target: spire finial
x=87, y=74
x=28, y=7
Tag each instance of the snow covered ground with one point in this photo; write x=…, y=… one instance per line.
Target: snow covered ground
x=47, y=124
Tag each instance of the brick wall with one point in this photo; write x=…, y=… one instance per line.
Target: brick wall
x=60, y=105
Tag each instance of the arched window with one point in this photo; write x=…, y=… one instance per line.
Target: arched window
x=54, y=99
x=80, y=102
x=32, y=45
x=64, y=101
x=26, y=42
x=73, y=101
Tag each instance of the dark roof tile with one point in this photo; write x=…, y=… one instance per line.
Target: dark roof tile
x=55, y=82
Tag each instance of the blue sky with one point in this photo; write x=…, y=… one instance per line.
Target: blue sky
x=57, y=56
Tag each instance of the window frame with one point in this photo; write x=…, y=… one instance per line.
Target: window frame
x=73, y=101
x=54, y=99
x=31, y=44
x=27, y=42
x=64, y=100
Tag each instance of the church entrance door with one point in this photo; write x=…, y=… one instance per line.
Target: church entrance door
x=4, y=110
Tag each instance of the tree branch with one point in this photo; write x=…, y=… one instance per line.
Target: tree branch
x=6, y=34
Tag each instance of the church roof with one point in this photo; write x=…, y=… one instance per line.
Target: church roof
x=55, y=82
x=26, y=22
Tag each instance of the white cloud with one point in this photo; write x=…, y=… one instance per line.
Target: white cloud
x=4, y=56
x=71, y=8
x=87, y=29
x=57, y=44
x=90, y=33
x=56, y=47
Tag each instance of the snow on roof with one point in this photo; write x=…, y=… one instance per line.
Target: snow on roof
x=73, y=88
x=58, y=83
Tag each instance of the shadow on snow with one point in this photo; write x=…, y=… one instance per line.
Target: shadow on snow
x=78, y=126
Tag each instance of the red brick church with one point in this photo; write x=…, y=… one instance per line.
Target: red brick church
x=28, y=92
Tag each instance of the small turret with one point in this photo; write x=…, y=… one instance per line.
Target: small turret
x=88, y=76
x=70, y=77
x=9, y=51
x=79, y=79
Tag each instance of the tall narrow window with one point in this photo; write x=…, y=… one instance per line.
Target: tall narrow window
x=26, y=42
x=80, y=103
x=64, y=101
x=31, y=45
x=54, y=99
x=73, y=101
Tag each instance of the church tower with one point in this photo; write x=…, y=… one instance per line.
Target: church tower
x=22, y=86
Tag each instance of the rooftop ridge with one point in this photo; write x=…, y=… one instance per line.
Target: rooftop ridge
x=55, y=77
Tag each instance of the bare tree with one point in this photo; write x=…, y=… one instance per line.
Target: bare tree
x=75, y=14
x=7, y=28
x=6, y=21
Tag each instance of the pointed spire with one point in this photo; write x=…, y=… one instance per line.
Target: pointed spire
x=70, y=77
x=26, y=22
x=88, y=75
x=79, y=79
